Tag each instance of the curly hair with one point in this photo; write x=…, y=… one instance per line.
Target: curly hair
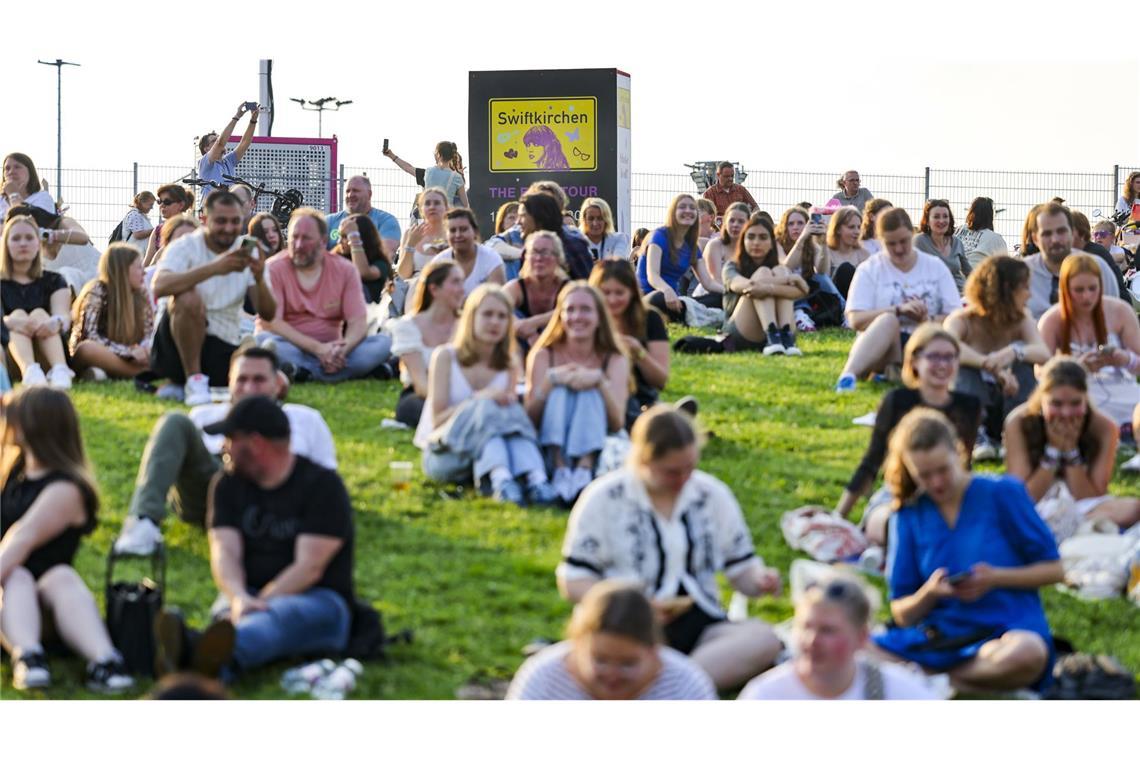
x=870, y=211
x=989, y=290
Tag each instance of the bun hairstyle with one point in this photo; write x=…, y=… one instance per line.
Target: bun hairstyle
x=449, y=152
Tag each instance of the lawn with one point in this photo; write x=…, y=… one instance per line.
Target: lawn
x=475, y=579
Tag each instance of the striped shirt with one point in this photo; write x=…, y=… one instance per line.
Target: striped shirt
x=545, y=676
x=222, y=295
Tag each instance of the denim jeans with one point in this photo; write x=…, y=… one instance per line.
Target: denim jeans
x=995, y=405
x=827, y=285
x=175, y=457
x=516, y=453
x=313, y=622
x=369, y=354
x=574, y=421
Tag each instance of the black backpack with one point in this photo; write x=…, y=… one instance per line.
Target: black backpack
x=824, y=309
x=117, y=233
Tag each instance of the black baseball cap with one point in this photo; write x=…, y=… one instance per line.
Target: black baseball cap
x=256, y=414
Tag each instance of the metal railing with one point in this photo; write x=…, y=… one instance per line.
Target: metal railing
x=99, y=198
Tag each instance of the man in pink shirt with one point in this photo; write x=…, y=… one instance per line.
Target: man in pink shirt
x=321, y=317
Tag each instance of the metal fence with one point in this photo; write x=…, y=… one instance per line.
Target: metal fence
x=99, y=198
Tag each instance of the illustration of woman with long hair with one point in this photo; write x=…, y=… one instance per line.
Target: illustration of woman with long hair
x=544, y=149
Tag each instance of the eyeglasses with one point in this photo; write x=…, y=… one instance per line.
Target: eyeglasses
x=938, y=358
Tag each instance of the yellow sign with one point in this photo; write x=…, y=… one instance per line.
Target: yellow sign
x=538, y=135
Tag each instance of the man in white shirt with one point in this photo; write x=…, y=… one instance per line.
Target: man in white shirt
x=181, y=456
x=206, y=278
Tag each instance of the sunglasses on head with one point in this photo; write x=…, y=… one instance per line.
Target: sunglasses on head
x=836, y=589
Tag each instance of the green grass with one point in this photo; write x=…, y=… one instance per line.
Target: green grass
x=475, y=579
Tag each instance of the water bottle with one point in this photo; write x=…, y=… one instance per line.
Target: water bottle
x=300, y=679
x=738, y=607
x=339, y=682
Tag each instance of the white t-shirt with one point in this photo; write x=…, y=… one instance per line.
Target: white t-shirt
x=41, y=199
x=407, y=339
x=544, y=676
x=135, y=221
x=486, y=259
x=879, y=284
x=781, y=682
x=223, y=295
x=309, y=434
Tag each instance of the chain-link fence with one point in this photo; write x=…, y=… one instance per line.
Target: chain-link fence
x=99, y=198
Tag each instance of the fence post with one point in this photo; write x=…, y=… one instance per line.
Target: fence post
x=339, y=187
x=135, y=183
x=1115, y=184
x=926, y=185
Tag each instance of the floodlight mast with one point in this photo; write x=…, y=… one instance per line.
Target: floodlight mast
x=320, y=105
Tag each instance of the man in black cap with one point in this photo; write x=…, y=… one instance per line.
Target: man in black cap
x=281, y=537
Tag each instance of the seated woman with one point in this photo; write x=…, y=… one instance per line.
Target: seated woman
x=929, y=368
x=173, y=200
x=577, y=386
x=612, y=650
x=670, y=528
x=540, y=211
x=893, y=292
x=723, y=245
x=670, y=252
x=479, y=263
x=759, y=292
x=979, y=240
x=831, y=629
x=430, y=322
x=966, y=557
x=462, y=437
x=1101, y=334
x=49, y=503
x=706, y=220
x=21, y=186
x=171, y=230
x=937, y=238
x=871, y=212
x=597, y=225
x=113, y=319
x=640, y=327
x=267, y=230
x=423, y=241
x=1062, y=448
x=359, y=242
x=999, y=345
x=36, y=306
x=542, y=278
x=844, y=251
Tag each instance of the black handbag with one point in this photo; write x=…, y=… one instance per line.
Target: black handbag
x=131, y=608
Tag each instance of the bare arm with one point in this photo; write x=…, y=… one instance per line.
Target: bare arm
x=1092, y=479
x=414, y=363
x=539, y=383
x=615, y=391
x=1037, y=479
x=218, y=149
x=61, y=307
x=311, y=556
x=463, y=197
x=367, y=270
x=401, y=163
x=167, y=283
x=861, y=320
x=653, y=271
x=573, y=591
x=714, y=260
x=439, y=379
x=711, y=284
x=226, y=561
x=57, y=508
x=498, y=275
x=654, y=364
x=247, y=136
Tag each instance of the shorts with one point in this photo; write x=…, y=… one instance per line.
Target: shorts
x=684, y=630
x=166, y=362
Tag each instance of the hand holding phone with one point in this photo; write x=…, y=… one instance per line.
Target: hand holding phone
x=384, y=150
x=251, y=105
x=958, y=578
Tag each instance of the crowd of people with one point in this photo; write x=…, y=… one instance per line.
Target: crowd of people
x=528, y=355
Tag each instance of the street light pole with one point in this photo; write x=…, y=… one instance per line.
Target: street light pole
x=59, y=63
x=320, y=105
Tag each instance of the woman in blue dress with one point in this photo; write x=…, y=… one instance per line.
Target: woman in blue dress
x=967, y=554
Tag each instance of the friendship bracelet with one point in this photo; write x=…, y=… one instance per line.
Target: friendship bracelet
x=1133, y=362
x=1051, y=459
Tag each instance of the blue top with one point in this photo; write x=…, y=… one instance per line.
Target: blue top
x=386, y=224
x=447, y=179
x=213, y=170
x=997, y=524
x=670, y=272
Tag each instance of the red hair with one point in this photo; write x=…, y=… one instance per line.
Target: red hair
x=1073, y=265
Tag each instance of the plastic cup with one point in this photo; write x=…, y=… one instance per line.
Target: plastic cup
x=401, y=475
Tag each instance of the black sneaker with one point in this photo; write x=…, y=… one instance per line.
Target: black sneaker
x=108, y=677
x=775, y=345
x=31, y=672
x=788, y=341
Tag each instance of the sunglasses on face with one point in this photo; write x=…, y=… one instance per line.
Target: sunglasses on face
x=166, y=202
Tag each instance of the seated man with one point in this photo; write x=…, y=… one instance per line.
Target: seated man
x=181, y=456
x=321, y=317
x=281, y=542
x=206, y=278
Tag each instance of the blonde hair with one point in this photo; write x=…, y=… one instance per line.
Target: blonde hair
x=124, y=316
x=920, y=430
x=37, y=266
x=838, y=219
x=927, y=333
x=605, y=336
x=601, y=205
x=502, y=356
x=428, y=191
x=559, y=251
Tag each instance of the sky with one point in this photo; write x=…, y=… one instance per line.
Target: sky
x=821, y=86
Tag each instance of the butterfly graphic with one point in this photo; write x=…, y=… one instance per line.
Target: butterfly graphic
x=573, y=136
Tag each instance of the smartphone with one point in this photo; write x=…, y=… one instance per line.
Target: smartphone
x=385, y=148
x=1105, y=350
x=251, y=105
x=249, y=246
x=957, y=578
x=817, y=218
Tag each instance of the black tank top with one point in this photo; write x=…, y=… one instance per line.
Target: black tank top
x=18, y=497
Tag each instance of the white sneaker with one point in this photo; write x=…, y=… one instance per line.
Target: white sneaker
x=30, y=671
x=804, y=323
x=197, y=391
x=34, y=375
x=579, y=479
x=1132, y=465
x=140, y=536
x=59, y=377
x=984, y=448
x=563, y=483
x=170, y=392
x=94, y=375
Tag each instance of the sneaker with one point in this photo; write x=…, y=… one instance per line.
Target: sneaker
x=197, y=391
x=59, y=377
x=846, y=383
x=804, y=323
x=1132, y=465
x=140, y=535
x=34, y=375
x=170, y=392
x=94, y=375
x=31, y=672
x=788, y=341
x=509, y=490
x=542, y=495
x=562, y=484
x=580, y=477
x=108, y=677
x=688, y=405
x=984, y=448
x=774, y=345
